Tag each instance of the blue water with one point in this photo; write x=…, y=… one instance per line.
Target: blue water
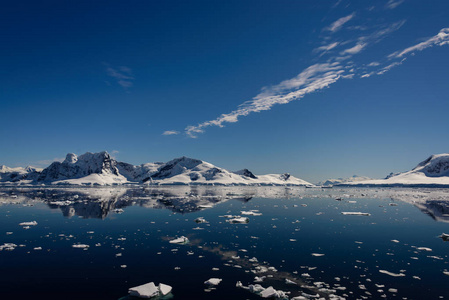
x=294, y=224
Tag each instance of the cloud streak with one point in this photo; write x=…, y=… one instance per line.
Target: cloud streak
x=321, y=75
x=170, y=132
x=442, y=38
x=123, y=75
x=314, y=78
x=337, y=25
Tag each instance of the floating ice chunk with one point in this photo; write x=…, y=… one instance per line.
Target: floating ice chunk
x=288, y=281
x=200, y=220
x=32, y=223
x=251, y=213
x=259, y=279
x=392, y=274
x=445, y=237
x=446, y=273
x=241, y=220
x=123, y=266
x=118, y=210
x=147, y=290
x=317, y=254
x=180, y=240
x=164, y=289
x=213, y=281
x=37, y=248
x=424, y=249
x=391, y=290
x=80, y=246
x=8, y=246
x=395, y=241
x=270, y=292
x=355, y=213
x=215, y=269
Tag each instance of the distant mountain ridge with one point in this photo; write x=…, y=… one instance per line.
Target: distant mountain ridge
x=102, y=169
x=434, y=171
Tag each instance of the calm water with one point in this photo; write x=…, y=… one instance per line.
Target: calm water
x=301, y=234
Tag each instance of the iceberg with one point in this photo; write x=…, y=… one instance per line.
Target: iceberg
x=241, y=220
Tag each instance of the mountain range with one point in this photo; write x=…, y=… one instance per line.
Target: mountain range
x=102, y=169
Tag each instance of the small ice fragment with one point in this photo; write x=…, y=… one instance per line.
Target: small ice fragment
x=395, y=241
x=37, y=248
x=393, y=204
x=241, y=220
x=81, y=246
x=213, y=281
x=9, y=233
x=446, y=273
x=391, y=274
x=147, y=290
x=215, y=269
x=317, y=254
x=393, y=290
x=259, y=279
x=292, y=240
x=118, y=210
x=200, y=220
x=251, y=213
x=424, y=249
x=355, y=213
x=32, y=223
x=8, y=246
x=123, y=266
x=288, y=281
x=180, y=240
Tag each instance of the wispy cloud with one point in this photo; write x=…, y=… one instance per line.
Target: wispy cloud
x=327, y=47
x=442, y=38
x=123, y=75
x=353, y=50
x=315, y=77
x=170, y=132
x=324, y=73
x=392, y=4
x=337, y=25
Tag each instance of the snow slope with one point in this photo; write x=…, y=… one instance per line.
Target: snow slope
x=433, y=171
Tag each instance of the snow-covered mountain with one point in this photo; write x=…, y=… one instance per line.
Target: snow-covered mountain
x=101, y=169
x=434, y=171
x=96, y=168
x=331, y=182
x=8, y=174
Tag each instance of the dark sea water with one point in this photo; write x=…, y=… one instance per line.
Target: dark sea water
x=301, y=235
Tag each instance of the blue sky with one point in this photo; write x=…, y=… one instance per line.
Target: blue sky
x=320, y=89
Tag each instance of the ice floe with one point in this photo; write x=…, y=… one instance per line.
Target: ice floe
x=181, y=240
x=150, y=290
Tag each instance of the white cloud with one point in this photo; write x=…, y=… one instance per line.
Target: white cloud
x=373, y=64
x=442, y=38
x=123, y=75
x=392, y=4
x=337, y=25
x=328, y=47
x=392, y=65
x=170, y=132
x=313, y=78
x=354, y=50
